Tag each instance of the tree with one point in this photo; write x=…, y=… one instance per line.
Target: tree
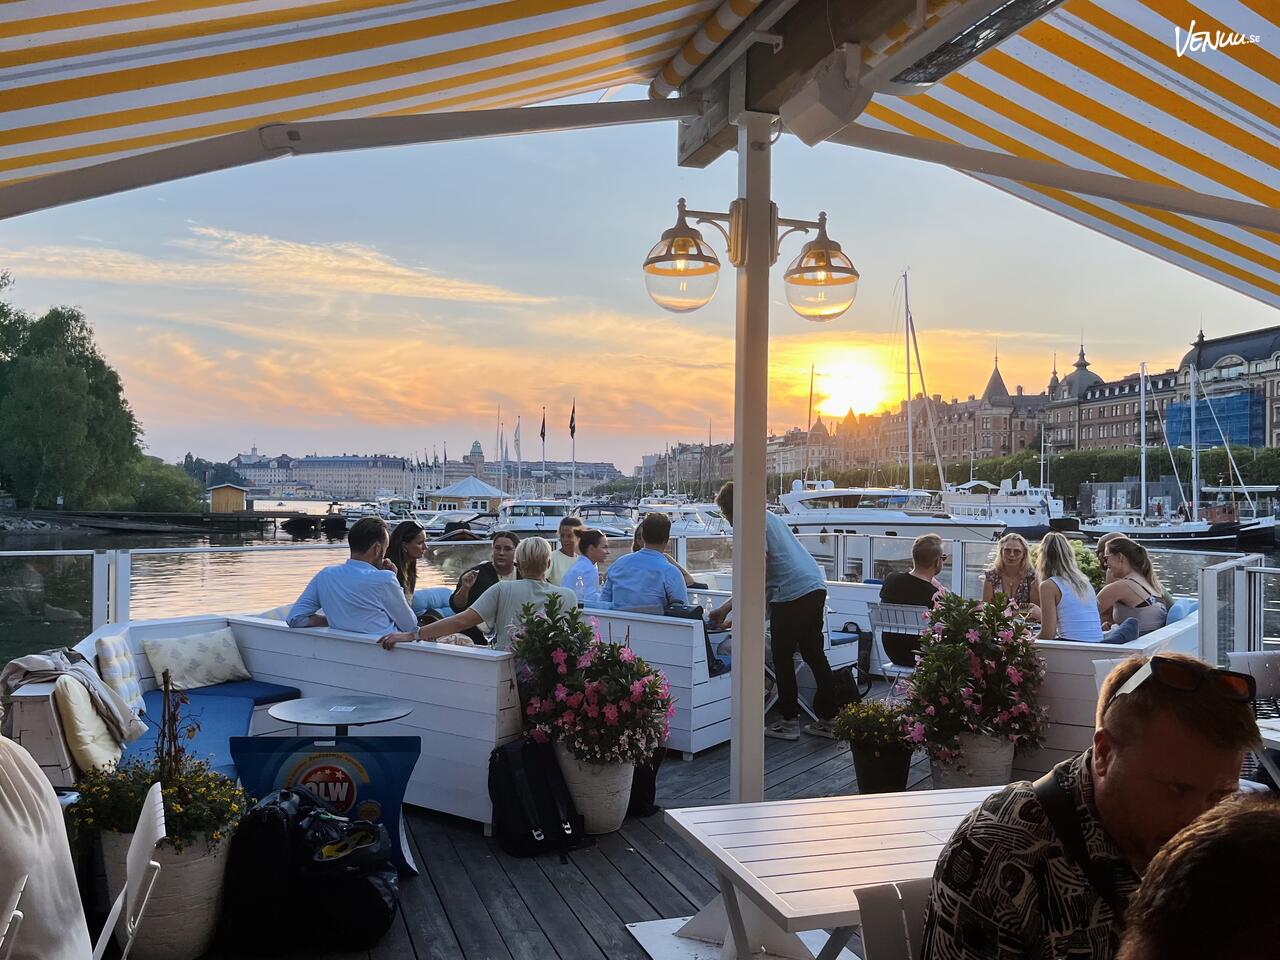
x=44, y=417
x=162, y=487
x=208, y=473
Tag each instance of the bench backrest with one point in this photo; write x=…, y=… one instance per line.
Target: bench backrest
x=896, y=617
x=671, y=644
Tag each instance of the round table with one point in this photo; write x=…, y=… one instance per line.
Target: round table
x=340, y=712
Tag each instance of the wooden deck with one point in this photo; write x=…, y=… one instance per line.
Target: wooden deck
x=473, y=902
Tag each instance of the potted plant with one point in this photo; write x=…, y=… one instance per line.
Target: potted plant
x=875, y=731
x=603, y=708
x=974, y=696
x=201, y=809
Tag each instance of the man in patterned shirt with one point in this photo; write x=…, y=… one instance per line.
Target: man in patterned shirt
x=1012, y=885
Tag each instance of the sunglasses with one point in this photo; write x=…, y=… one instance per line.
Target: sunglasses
x=1189, y=677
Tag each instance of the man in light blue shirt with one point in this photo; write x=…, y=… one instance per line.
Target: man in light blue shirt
x=645, y=578
x=797, y=595
x=361, y=595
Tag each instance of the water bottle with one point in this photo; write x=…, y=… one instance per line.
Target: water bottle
x=580, y=588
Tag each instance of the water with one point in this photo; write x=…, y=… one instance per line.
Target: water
x=46, y=601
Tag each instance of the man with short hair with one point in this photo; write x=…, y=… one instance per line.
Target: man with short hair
x=1206, y=893
x=1045, y=871
x=500, y=566
x=645, y=578
x=361, y=595
x=917, y=588
x=796, y=592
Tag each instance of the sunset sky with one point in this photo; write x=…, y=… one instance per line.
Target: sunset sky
x=389, y=301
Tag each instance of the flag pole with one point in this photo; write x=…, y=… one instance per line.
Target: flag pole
x=573, y=446
x=544, y=451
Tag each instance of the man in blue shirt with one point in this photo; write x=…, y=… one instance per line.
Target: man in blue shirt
x=361, y=595
x=797, y=594
x=645, y=578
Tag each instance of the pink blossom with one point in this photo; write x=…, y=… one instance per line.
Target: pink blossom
x=1014, y=675
x=671, y=709
x=611, y=714
x=924, y=614
x=944, y=700
x=561, y=692
x=1006, y=635
x=1008, y=611
x=930, y=711
x=1002, y=717
x=567, y=718
x=559, y=656
x=586, y=658
x=562, y=669
x=637, y=691
x=627, y=655
x=625, y=706
x=532, y=709
x=574, y=700
x=595, y=626
x=539, y=735
x=593, y=710
x=972, y=636
x=975, y=666
x=917, y=733
x=939, y=629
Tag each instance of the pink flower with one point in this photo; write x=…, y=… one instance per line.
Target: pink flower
x=671, y=709
x=562, y=669
x=939, y=629
x=924, y=614
x=586, y=658
x=593, y=710
x=944, y=700
x=539, y=735
x=1014, y=675
x=574, y=700
x=972, y=636
x=532, y=709
x=917, y=733
x=625, y=706
x=637, y=691
x=1006, y=635
x=975, y=666
x=1002, y=717
x=561, y=692
x=627, y=655
x=559, y=656
x=930, y=711
x=611, y=714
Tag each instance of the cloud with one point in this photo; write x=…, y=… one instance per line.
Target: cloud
x=252, y=262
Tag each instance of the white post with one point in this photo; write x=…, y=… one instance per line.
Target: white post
x=1142, y=435
x=911, y=448
x=751, y=410
x=101, y=608
x=121, y=586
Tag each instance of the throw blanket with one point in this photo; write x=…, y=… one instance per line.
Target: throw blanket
x=47, y=667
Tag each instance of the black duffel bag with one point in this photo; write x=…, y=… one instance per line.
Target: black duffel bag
x=532, y=810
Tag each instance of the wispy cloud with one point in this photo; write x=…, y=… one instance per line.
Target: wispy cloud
x=211, y=258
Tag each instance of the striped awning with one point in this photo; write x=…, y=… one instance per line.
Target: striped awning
x=98, y=81
x=1100, y=85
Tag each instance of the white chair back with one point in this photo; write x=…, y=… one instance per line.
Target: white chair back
x=892, y=916
x=1264, y=667
x=11, y=918
x=140, y=875
x=1102, y=669
x=897, y=617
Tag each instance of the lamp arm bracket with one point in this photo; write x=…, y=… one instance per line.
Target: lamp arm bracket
x=786, y=233
x=728, y=241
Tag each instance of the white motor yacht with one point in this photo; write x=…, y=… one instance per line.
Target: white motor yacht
x=820, y=507
x=1030, y=511
x=524, y=517
x=689, y=519
x=612, y=519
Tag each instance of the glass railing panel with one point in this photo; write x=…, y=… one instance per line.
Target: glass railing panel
x=976, y=558
x=46, y=601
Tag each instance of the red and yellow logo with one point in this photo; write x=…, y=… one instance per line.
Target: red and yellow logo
x=333, y=778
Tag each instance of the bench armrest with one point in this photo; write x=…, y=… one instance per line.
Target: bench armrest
x=34, y=691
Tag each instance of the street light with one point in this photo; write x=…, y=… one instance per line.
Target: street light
x=681, y=270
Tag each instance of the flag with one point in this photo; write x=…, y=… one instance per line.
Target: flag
x=573, y=419
x=543, y=432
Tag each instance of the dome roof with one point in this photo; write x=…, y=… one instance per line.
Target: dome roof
x=475, y=449
x=1081, y=379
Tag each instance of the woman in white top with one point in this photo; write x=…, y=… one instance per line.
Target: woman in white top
x=1068, y=603
x=567, y=555
x=500, y=605
x=583, y=578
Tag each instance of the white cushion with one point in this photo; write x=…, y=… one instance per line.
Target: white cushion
x=199, y=660
x=277, y=613
x=118, y=671
x=87, y=735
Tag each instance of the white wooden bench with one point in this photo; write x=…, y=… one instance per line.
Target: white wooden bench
x=465, y=699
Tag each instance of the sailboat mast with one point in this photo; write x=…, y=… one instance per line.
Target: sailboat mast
x=1142, y=437
x=808, y=430
x=911, y=454
x=1195, y=450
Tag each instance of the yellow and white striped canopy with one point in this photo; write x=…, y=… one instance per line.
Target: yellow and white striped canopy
x=1095, y=84
x=1099, y=85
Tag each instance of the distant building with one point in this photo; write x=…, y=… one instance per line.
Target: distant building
x=344, y=477
x=228, y=498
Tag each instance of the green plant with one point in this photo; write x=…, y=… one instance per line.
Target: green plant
x=605, y=704
x=197, y=801
x=875, y=724
x=977, y=672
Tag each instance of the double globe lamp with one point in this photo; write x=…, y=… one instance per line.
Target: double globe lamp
x=681, y=271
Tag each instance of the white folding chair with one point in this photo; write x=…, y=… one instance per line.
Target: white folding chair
x=892, y=917
x=898, y=619
x=1265, y=670
x=11, y=918
x=140, y=876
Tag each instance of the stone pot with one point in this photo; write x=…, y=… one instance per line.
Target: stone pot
x=182, y=915
x=881, y=769
x=600, y=791
x=988, y=762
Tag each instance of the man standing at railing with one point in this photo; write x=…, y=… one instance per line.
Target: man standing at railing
x=797, y=596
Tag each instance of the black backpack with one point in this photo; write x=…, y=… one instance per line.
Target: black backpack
x=532, y=810
x=298, y=874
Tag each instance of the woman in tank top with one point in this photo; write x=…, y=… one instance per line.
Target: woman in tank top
x=1133, y=589
x=1068, y=603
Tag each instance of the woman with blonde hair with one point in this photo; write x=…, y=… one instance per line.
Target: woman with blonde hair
x=1068, y=603
x=500, y=605
x=1133, y=589
x=1012, y=574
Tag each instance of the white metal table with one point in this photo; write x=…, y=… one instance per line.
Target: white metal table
x=790, y=866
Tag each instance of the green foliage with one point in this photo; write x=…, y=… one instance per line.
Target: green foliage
x=207, y=473
x=875, y=724
x=605, y=704
x=197, y=802
x=164, y=488
x=977, y=672
x=1086, y=560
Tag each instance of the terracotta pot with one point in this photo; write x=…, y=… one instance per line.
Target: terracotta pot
x=182, y=915
x=600, y=791
x=881, y=769
x=988, y=761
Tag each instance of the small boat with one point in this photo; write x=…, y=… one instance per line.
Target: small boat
x=524, y=517
x=690, y=519
x=612, y=519
x=1030, y=511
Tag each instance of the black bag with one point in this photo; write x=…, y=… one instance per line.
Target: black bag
x=299, y=875
x=532, y=810
x=685, y=611
x=644, y=786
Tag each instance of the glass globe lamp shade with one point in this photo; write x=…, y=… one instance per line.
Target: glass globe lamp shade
x=681, y=271
x=821, y=282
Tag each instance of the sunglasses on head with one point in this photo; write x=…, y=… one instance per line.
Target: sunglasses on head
x=1189, y=677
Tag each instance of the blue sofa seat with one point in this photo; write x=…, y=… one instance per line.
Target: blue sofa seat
x=221, y=716
x=259, y=691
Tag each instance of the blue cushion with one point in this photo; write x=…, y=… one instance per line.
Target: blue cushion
x=1182, y=607
x=432, y=598
x=259, y=691
x=221, y=718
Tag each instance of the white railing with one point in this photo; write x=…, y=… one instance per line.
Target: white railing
x=1232, y=608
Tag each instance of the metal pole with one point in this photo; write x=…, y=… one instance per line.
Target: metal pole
x=1142, y=435
x=751, y=408
x=911, y=450
x=1195, y=451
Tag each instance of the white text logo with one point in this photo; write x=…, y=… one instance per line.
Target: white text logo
x=1197, y=41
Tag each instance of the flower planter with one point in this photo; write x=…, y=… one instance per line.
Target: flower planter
x=988, y=761
x=600, y=791
x=182, y=915
x=880, y=769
